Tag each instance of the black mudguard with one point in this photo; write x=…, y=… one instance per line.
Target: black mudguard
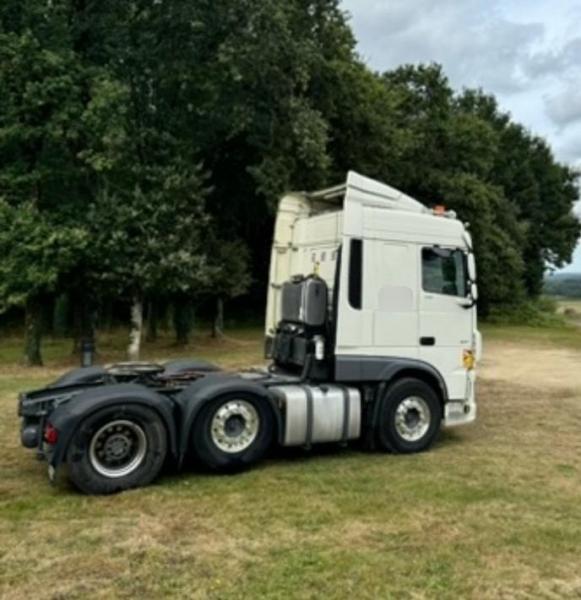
x=181, y=365
x=68, y=417
x=94, y=374
x=386, y=368
x=199, y=393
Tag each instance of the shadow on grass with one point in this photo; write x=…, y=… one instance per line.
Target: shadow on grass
x=318, y=456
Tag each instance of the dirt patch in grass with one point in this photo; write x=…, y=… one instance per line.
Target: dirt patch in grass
x=492, y=511
x=533, y=366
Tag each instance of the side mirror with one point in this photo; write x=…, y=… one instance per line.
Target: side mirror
x=471, y=264
x=467, y=237
x=474, y=292
x=471, y=298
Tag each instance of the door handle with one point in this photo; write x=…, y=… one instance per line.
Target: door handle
x=427, y=341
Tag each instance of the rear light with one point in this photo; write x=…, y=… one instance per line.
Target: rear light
x=51, y=434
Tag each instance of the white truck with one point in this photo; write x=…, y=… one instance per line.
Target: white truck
x=371, y=333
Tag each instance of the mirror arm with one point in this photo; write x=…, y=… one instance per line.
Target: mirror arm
x=467, y=303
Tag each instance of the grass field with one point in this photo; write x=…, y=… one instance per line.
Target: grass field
x=492, y=511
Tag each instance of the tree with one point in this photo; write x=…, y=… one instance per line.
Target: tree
x=36, y=256
x=41, y=103
x=497, y=237
x=251, y=73
x=150, y=239
x=542, y=191
x=461, y=151
x=167, y=130
x=232, y=278
x=148, y=219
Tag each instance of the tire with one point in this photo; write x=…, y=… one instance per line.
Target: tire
x=232, y=432
x=116, y=449
x=409, y=417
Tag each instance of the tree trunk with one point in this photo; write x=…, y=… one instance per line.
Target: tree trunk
x=106, y=316
x=48, y=310
x=152, y=321
x=218, y=323
x=83, y=320
x=136, y=330
x=183, y=320
x=163, y=315
x=33, y=326
x=60, y=318
x=77, y=318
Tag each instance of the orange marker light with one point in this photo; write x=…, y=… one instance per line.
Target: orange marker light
x=468, y=360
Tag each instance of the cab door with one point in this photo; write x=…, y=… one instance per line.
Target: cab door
x=391, y=275
x=446, y=314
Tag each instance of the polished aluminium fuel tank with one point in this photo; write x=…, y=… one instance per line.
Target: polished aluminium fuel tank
x=318, y=414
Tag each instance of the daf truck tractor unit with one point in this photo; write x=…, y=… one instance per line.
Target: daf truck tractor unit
x=370, y=331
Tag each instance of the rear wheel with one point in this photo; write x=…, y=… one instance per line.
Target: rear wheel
x=409, y=417
x=233, y=431
x=116, y=449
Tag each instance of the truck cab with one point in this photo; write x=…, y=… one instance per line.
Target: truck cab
x=401, y=282
x=371, y=337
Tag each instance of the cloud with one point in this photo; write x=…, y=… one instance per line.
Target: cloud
x=564, y=107
x=569, y=146
x=476, y=44
x=526, y=52
x=556, y=62
x=561, y=68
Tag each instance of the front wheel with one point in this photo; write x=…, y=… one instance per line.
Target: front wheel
x=409, y=417
x=116, y=449
x=233, y=431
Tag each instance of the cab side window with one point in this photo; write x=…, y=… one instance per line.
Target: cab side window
x=444, y=271
x=356, y=273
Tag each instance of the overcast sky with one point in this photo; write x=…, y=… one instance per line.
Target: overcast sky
x=526, y=52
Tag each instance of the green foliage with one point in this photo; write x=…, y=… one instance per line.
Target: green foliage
x=496, y=235
x=36, y=253
x=40, y=109
x=231, y=261
x=541, y=190
x=461, y=151
x=150, y=239
x=541, y=312
x=149, y=141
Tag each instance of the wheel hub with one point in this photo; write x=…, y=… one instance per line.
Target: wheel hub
x=412, y=418
x=234, y=426
x=118, y=448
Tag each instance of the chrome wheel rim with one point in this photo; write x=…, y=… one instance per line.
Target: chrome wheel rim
x=235, y=426
x=118, y=448
x=412, y=418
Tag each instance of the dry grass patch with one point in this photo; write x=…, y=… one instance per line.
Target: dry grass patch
x=492, y=511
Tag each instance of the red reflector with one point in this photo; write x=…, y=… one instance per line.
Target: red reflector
x=51, y=435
